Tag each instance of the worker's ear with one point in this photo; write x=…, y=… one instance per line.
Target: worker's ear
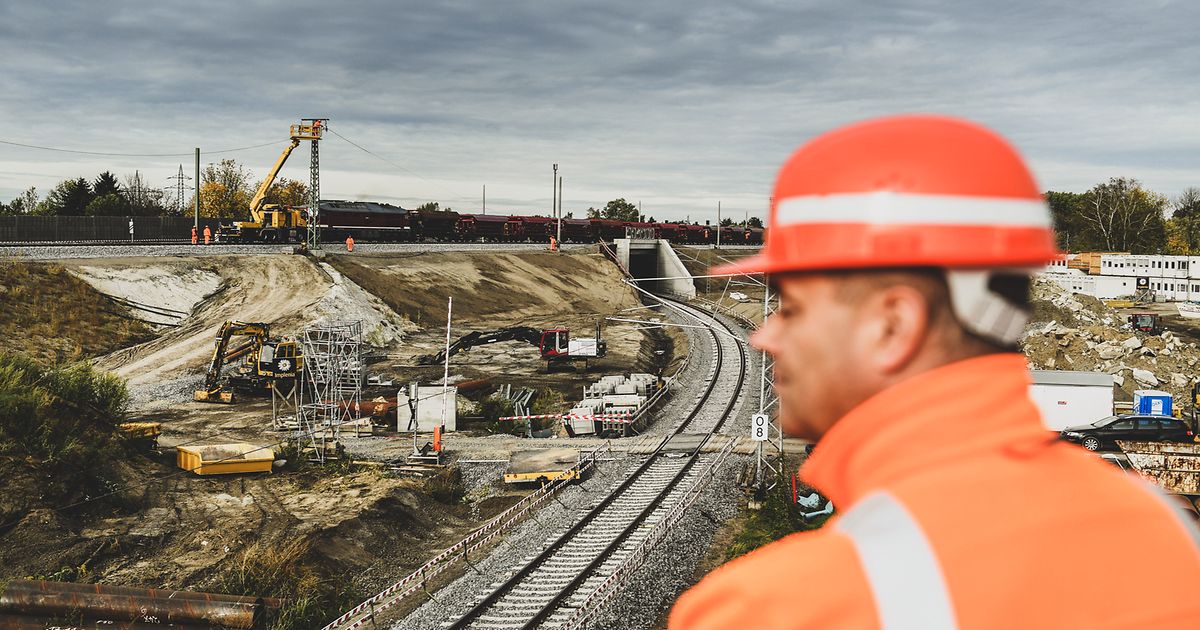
x=894, y=326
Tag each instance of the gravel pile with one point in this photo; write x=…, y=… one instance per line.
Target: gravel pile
x=1086, y=335
x=61, y=252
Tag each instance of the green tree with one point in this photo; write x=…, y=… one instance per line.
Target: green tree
x=225, y=190
x=1120, y=215
x=1185, y=221
x=754, y=222
x=69, y=198
x=110, y=205
x=1066, y=212
x=25, y=203
x=617, y=210
x=106, y=184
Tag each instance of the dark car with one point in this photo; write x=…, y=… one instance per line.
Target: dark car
x=1103, y=434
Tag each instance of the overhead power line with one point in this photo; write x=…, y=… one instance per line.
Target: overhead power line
x=453, y=196
x=190, y=154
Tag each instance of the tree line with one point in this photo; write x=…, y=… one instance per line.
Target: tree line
x=226, y=190
x=1122, y=215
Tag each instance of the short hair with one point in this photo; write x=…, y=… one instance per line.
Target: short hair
x=858, y=284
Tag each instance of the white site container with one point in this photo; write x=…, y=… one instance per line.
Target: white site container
x=429, y=408
x=625, y=388
x=1069, y=399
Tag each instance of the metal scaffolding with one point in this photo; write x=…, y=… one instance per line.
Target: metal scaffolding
x=331, y=389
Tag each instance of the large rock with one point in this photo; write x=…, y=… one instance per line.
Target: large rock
x=1145, y=377
x=1108, y=351
x=1132, y=343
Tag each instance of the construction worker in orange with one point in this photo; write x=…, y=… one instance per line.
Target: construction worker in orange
x=553, y=244
x=207, y=235
x=349, y=243
x=902, y=251
x=193, y=235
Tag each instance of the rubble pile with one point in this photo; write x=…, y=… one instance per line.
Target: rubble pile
x=1086, y=335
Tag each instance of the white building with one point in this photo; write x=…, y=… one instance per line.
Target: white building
x=1166, y=278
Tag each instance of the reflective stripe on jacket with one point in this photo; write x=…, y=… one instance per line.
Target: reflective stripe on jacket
x=958, y=509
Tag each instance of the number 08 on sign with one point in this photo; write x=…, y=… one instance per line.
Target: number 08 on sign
x=759, y=427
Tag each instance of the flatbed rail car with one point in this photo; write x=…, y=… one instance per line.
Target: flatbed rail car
x=542, y=465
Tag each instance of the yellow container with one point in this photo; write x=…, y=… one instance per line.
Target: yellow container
x=225, y=459
x=1119, y=303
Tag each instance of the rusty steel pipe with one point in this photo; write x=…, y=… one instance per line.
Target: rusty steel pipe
x=99, y=602
x=78, y=587
x=41, y=623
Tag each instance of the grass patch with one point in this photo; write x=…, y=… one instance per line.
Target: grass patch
x=778, y=517
x=54, y=317
x=280, y=569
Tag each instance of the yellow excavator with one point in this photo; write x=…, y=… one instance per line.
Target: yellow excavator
x=264, y=361
x=271, y=223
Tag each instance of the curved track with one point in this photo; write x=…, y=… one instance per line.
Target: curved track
x=551, y=589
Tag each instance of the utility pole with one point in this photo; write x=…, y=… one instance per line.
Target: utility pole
x=485, y=198
x=197, y=223
x=718, y=225
x=554, y=197
x=558, y=233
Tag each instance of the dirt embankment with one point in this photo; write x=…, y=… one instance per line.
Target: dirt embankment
x=497, y=290
x=51, y=316
x=741, y=295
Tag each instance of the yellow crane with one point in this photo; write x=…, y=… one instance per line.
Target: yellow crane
x=271, y=223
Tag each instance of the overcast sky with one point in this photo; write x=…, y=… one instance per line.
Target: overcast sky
x=676, y=105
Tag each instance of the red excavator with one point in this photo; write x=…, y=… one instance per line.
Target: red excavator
x=555, y=344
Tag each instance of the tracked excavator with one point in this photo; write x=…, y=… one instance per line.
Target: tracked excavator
x=264, y=361
x=554, y=344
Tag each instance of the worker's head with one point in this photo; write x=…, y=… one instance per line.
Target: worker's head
x=896, y=245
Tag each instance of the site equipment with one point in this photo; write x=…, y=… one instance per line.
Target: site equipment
x=265, y=360
x=1148, y=323
x=270, y=223
x=1171, y=466
x=1066, y=398
x=555, y=344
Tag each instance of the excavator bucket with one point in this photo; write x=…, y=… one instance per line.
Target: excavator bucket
x=222, y=396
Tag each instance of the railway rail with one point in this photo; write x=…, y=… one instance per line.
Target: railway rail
x=576, y=573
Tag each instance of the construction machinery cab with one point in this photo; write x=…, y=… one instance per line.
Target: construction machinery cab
x=555, y=342
x=1148, y=323
x=264, y=360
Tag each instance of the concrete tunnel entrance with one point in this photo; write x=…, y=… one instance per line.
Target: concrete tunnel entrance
x=651, y=258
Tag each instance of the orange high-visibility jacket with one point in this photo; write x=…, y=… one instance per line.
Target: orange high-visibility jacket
x=958, y=509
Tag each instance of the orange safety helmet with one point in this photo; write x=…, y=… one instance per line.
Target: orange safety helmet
x=913, y=191
x=905, y=191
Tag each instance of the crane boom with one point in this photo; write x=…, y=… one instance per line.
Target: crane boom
x=256, y=204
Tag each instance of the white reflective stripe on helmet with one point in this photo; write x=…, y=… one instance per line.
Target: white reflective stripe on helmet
x=893, y=208
x=900, y=565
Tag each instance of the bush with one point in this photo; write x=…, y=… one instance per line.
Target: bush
x=492, y=409
x=778, y=517
x=63, y=421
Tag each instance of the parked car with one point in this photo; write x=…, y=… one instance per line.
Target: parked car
x=1103, y=434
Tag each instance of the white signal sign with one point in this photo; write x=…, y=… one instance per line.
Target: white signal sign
x=759, y=427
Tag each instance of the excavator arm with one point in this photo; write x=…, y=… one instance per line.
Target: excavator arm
x=212, y=391
x=260, y=196
x=532, y=336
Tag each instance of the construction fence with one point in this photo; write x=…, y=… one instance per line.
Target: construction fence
x=27, y=229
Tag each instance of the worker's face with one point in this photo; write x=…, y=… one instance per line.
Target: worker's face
x=812, y=337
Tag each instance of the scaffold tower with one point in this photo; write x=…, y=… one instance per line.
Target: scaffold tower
x=331, y=388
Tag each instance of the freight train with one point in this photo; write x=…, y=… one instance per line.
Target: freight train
x=380, y=222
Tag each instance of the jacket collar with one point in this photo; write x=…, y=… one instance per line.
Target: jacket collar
x=954, y=411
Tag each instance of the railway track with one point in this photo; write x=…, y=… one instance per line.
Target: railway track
x=576, y=573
